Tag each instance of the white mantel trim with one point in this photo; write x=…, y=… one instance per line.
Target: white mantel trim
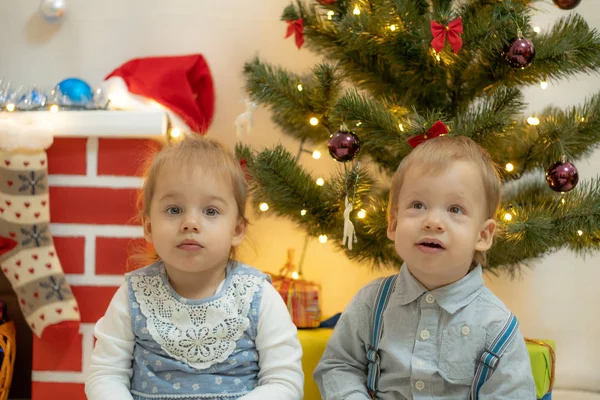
x=108, y=124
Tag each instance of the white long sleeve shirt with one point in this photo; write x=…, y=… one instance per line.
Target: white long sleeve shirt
x=280, y=352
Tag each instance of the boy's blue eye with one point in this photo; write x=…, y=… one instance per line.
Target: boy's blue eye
x=211, y=212
x=455, y=210
x=418, y=205
x=173, y=210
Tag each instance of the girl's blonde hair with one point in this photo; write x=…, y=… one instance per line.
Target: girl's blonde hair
x=434, y=156
x=186, y=155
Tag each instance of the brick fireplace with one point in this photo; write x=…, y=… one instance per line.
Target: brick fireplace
x=94, y=183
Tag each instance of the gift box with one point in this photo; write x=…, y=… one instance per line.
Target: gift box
x=301, y=296
x=543, y=364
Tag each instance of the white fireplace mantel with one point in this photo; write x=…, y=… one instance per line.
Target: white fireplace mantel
x=108, y=124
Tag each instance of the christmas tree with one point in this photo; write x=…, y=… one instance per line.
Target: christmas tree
x=401, y=71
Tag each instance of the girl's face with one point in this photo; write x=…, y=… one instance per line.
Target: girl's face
x=193, y=220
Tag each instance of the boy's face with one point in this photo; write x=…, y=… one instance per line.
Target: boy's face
x=440, y=222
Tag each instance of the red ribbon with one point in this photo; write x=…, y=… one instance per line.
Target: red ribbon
x=437, y=129
x=296, y=27
x=452, y=31
x=244, y=165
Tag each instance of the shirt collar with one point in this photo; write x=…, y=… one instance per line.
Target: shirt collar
x=450, y=297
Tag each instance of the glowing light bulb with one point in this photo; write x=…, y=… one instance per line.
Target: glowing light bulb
x=508, y=216
x=356, y=10
x=330, y=15
x=263, y=207
x=509, y=167
x=303, y=212
x=316, y=154
x=10, y=107
x=537, y=29
x=175, y=133
x=362, y=213
x=533, y=121
x=314, y=121
x=320, y=181
x=401, y=127
x=295, y=275
x=300, y=88
x=562, y=201
x=580, y=232
x=323, y=238
x=53, y=108
x=544, y=85
x=392, y=27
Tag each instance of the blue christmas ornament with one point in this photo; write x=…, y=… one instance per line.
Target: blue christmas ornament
x=76, y=91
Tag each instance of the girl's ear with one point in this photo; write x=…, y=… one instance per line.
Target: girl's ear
x=239, y=232
x=147, y=229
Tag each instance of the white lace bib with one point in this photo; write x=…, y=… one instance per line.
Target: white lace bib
x=200, y=335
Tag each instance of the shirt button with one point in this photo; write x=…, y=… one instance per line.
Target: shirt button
x=420, y=363
x=424, y=334
x=419, y=385
x=429, y=298
x=466, y=330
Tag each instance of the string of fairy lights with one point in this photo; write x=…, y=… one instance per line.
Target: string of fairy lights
x=509, y=215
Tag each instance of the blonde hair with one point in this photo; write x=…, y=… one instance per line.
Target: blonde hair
x=190, y=153
x=435, y=155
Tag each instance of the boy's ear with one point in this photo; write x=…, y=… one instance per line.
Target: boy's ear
x=147, y=229
x=239, y=232
x=486, y=235
x=392, y=224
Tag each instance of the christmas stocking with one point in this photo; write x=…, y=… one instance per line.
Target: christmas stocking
x=27, y=254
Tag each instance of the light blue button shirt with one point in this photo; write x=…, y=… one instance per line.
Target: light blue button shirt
x=431, y=343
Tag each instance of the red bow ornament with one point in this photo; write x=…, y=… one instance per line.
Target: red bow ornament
x=452, y=31
x=437, y=129
x=244, y=165
x=296, y=27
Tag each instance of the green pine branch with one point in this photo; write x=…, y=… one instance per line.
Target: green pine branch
x=400, y=88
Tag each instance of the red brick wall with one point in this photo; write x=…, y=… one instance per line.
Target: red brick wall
x=93, y=189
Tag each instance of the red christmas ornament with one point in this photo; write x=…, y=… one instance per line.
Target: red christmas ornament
x=451, y=31
x=566, y=4
x=343, y=145
x=437, y=129
x=327, y=2
x=519, y=53
x=562, y=176
x=296, y=28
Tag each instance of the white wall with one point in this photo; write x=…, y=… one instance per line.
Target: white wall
x=558, y=299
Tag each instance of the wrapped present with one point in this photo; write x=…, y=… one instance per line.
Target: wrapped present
x=300, y=296
x=543, y=363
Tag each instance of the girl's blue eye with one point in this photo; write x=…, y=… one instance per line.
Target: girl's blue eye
x=417, y=205
x=211, y=212
x=174, y=210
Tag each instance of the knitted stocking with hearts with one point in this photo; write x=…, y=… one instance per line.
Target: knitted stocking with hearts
x=27, y=254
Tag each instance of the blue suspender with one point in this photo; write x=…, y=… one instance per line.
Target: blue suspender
x=383, y=296
x=491, y=356
x=487, y=362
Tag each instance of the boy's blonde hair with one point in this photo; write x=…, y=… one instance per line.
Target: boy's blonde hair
x=187, y=155
x=435, y=155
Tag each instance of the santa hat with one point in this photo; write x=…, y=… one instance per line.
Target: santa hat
x=182, y=84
